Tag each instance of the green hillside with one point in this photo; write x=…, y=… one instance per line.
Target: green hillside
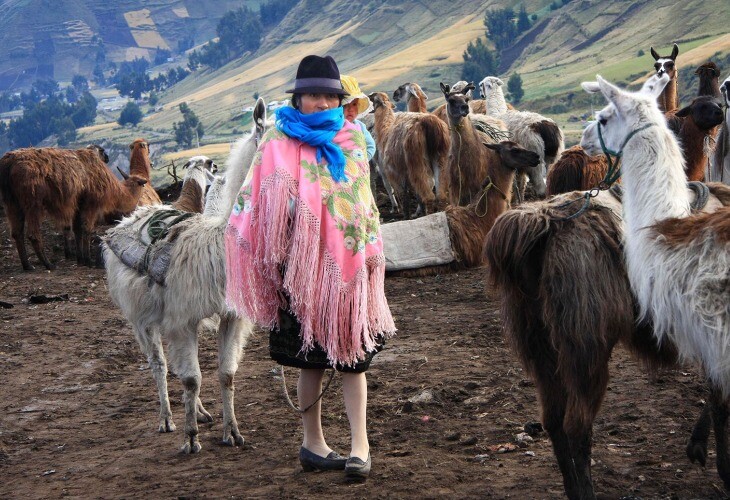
x=385, y=44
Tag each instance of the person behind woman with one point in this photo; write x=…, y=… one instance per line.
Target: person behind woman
x=355, y=105
x=305, y=257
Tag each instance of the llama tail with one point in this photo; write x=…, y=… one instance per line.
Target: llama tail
x=6, y=193
x=436, y=135
x=552, y=136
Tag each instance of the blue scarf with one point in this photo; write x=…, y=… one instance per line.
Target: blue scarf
x=317, y=130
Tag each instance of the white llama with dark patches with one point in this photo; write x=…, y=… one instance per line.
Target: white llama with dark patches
x=532, y=131
x=194, y=290
x=678, y=263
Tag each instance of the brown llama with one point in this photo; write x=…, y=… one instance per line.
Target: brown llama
x=73, y=187
x=668, y=100
x=476, y=106
x=415, y=97
x=468, y=225
x=575, y=171
x=140, y=165
x=468, y=161
x=200, y=169
x=412, y=149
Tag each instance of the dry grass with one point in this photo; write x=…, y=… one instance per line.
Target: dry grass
x=219, y=150
x=139, y=18
x=181, y=11
x=143, y=29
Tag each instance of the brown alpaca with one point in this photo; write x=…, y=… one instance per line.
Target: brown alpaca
x=669, y=99
x=192, y=194
x=140, y=165
x=412, y=149
x=74, y=188
x=696, y=126
x=575, y=171
x=468, y=161
x=414, y=95
x=566, y=302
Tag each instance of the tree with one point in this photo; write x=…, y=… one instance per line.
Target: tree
x=501, y=27
x=189, y=129
x=84, y=111
x=479, y=62
x=130, y=114
x=514, y=87
x=80, y=83
x=523, y=21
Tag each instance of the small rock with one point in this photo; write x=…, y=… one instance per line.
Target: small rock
x=424, y=397
x=481, y=458
x=470, y=441
x=470, y=386
x=524, y=437
x=530, y=453
x=642, y=478
x=453, y=437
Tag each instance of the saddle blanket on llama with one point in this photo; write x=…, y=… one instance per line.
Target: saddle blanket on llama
x=145, y=243
x=422, y=242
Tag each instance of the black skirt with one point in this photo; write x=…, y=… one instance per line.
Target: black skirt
x=285, y=347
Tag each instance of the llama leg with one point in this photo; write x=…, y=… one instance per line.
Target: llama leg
x=422, y=184
x=78, y=236
x=68, y=252
x=16, y=218
x=36, y=239
x=151, y=345
x=697, y=446
x=233, y=334
x=719, y=420
x=184, y=356
x=579, y=426
x=388, y=189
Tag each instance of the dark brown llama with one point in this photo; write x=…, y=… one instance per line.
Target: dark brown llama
x=709, y=76
x=75, y=188
x=412, y=150
x=669, y=99
x=566, y=302
x=476, y=106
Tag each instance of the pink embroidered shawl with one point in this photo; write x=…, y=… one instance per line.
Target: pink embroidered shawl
x=294, y=229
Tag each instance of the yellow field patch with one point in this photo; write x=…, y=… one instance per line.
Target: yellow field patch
x=96, y=128
x=445, y=47
x=135, y=52
x=211, y=150
x=181, y=11
x=700, y=54
x=143, y=29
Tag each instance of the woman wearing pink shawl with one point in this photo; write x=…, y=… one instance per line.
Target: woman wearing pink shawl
x=305, y=257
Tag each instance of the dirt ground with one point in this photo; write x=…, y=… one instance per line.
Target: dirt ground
x=79, y=407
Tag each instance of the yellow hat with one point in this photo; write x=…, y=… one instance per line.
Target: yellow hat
x=349, y=83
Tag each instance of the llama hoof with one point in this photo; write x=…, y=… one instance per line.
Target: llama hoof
x=202, y=415
x=697, y=451
x=28, y=267
x=232, y=438
x=167, y=425
x=191, y=446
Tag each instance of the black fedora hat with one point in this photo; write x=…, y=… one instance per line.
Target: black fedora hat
x=317, y=75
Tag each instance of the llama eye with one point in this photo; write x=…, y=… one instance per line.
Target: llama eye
x=657, y=66
x=602, y=121
x=669, y=65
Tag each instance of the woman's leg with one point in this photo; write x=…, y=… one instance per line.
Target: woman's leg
x=309, y=389
x=355, y=391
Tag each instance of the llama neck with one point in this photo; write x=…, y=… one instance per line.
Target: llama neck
x=416, y=104
x=139, y=163
x=709, y=85
x=693, y=149
x=668, y=99
x=496, y=105
x=654, y=181
x=465, y=155
x=237, y=167
x=384, y=118
x=192, y=195
x=125, y=198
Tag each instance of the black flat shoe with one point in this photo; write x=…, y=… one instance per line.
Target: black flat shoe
x=311, y=461
x=356, y=469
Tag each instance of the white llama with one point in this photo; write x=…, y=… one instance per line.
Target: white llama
x=194, y=290
x=678, y=263
x=532, y=131
x=720, y=164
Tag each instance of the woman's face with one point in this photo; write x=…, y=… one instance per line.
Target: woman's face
x=314, y=103
x=351, y=110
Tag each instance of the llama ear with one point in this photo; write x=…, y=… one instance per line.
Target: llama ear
x=499, y=82
x=124, y=176
x=492, y=146
x=259, y=117
x=684, y=112
x=469, y=86
x=654, y=53
x=612, y=93
x=675, y=52
x=591, y=87
x=445, y=88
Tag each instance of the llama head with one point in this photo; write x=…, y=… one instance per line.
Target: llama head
x=463, y=87
x=705, y=111
x=457, y=105
x=514, y=156
x=380, y=100
x=408, y=91
x=259, y=119
x=665, y=64
x=100, y=151
x=489, y=85
x=625, y=113
x=725, y=89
